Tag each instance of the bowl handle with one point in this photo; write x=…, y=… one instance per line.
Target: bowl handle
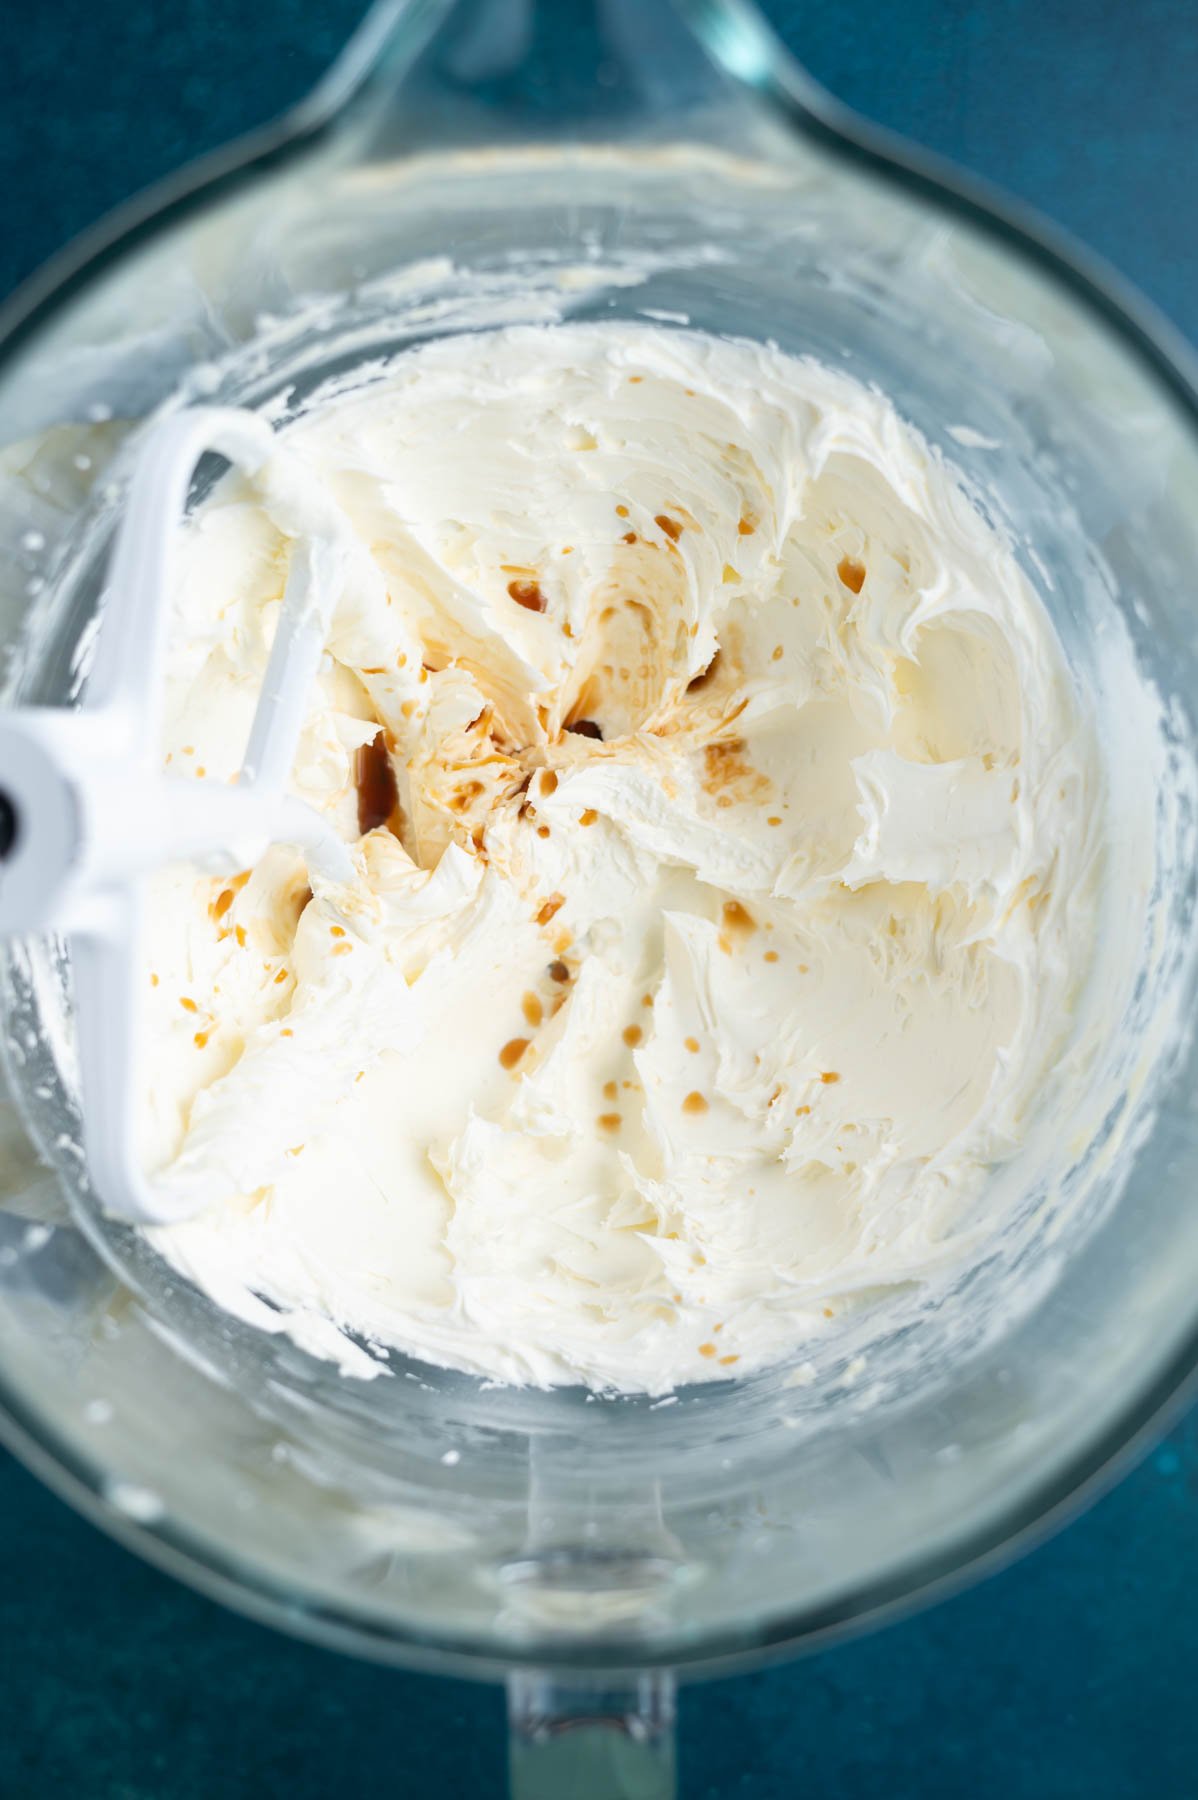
x=607, y=1736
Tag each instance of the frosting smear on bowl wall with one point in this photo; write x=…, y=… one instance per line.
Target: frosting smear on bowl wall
x=728, y=835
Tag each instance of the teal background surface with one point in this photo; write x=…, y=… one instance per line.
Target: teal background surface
x=1071, y=1674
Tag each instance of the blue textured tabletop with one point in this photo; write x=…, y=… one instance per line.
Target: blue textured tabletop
x=1068, y=1675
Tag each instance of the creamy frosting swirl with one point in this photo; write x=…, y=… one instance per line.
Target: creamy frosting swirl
x=727, y=842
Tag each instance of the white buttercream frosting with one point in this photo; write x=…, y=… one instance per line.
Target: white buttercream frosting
x=631, y=1058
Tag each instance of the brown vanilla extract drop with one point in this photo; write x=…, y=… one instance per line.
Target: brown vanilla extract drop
x=737, y=918
x=374, y=778
x=852, y=573
x=528, y=595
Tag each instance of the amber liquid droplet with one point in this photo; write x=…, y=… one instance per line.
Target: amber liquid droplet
x=671, y=527
x=736, y=918
x=632, y=1036
x=374, y=778
x=852, y=573
x=527, y=594
x=512, y=1051
x=694, y=1103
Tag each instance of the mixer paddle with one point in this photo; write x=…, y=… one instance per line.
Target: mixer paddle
x=86, y=810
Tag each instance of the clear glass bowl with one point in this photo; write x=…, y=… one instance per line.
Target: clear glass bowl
x=468, y=163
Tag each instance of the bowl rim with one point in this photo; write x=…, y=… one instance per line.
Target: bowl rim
x=910, y=1586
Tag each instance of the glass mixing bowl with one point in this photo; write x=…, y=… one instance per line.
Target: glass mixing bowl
x=473, y=162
